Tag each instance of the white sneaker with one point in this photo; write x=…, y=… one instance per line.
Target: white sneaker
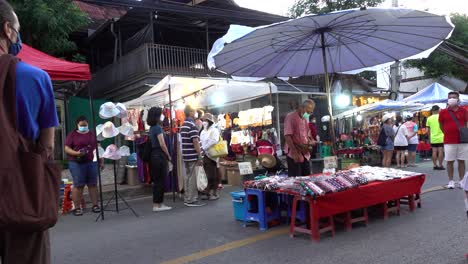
x=458, y=184
x=163, y=207
x=451, y=185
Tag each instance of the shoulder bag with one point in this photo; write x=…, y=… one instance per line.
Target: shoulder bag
x=29, y=181
x=462, y=130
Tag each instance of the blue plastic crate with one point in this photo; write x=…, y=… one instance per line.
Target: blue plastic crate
x=238, y=200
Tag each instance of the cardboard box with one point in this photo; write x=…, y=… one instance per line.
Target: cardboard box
x=233, y=176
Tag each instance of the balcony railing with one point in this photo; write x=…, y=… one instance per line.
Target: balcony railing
x=153, y=58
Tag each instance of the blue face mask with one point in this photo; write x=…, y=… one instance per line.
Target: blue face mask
x=15, y=48
x=83, y=129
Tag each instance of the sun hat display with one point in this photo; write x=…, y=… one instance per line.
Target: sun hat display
x=112, y=152
x=124, y=151
x=108, y=110
x=126, y=129
x=99, y=130
x=109, y=130
x=122, y=110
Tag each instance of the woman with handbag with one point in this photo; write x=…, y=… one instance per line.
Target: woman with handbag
x=387, y=144
x=209, y=137
x=79, y=146
x=160, y=159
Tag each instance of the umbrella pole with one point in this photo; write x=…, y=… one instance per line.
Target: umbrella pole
x=328, y=90
x=172, y=147
x=91, y=102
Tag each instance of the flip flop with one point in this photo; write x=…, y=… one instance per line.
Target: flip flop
x=78, y=212
x=96, y=209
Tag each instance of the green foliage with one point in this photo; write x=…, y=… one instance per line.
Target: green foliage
x=440, y=64
x=303, y=7
x=47, y=24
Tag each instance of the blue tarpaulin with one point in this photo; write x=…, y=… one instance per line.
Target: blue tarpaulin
x=432, y=94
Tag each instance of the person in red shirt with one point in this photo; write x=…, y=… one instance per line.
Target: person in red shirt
x=454, y=150
x=298, y=139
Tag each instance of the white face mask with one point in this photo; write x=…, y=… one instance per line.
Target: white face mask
x=162, y=118
x=196, y=115
x=205, y=124
x=452, y=101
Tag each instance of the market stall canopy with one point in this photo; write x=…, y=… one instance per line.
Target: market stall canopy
x=202, y=92
x=58, y=69
x=385, y=105
x=434, y=93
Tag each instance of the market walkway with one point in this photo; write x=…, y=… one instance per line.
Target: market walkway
x=434, y=234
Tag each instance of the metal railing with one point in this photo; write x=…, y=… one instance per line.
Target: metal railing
x=153, y=58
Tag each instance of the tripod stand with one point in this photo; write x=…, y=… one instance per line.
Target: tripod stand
x=116, y=196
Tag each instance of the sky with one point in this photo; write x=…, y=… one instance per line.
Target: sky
x=441, y=7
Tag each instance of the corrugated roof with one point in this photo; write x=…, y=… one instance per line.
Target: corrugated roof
x=100, y=13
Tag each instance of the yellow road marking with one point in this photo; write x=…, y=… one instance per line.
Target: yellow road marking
x=228, y=246
x=244, y=242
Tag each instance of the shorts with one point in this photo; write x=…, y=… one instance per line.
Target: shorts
x=400, y=148
x=412, y=147
x=388, y=146
x=83, y=173
x=437, y=145
x=456, y=152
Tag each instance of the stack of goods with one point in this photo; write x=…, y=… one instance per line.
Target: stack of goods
x=319, y=185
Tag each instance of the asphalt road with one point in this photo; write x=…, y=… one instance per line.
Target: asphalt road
x=436, y=233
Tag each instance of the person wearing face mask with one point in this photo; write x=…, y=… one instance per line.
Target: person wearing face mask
x=454, y=149
x=298, y=139
x=209, y=136
x=160, y=158
x=79, y=147
x=36, y=119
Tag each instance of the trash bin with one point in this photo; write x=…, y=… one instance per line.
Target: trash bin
x=132, y=175
x=238, y=200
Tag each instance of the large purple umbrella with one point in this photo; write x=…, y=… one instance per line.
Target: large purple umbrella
x=336, y=42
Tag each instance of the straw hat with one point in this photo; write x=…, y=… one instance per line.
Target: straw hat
x=267, y=161
x=208, y=116
x=108, y=110
x=109, y=130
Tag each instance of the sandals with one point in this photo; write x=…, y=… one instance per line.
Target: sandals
x=96, y=209
x=78, y=212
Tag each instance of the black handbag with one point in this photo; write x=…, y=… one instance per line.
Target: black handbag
x=144, y=150
x=463, y=131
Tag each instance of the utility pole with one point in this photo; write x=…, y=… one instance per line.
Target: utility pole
x=395, y=76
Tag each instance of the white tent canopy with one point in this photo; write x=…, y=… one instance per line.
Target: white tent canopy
x=202, y=92
x=384, y=105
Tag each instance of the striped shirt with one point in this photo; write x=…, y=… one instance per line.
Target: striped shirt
x=188, y=131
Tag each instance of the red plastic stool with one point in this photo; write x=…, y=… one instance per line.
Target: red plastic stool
x=315, y=227
x=412, y=201
x=348, y=220
x=391, y=209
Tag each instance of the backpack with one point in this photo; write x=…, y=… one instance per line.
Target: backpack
x=29, y=182
x=144, y=150
x=382, y=140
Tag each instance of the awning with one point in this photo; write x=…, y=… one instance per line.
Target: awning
x=434, y=93
x=202, y=92
x=385, y=105
x=58, y=69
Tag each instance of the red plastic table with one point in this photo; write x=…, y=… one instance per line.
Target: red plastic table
x=358, y=198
